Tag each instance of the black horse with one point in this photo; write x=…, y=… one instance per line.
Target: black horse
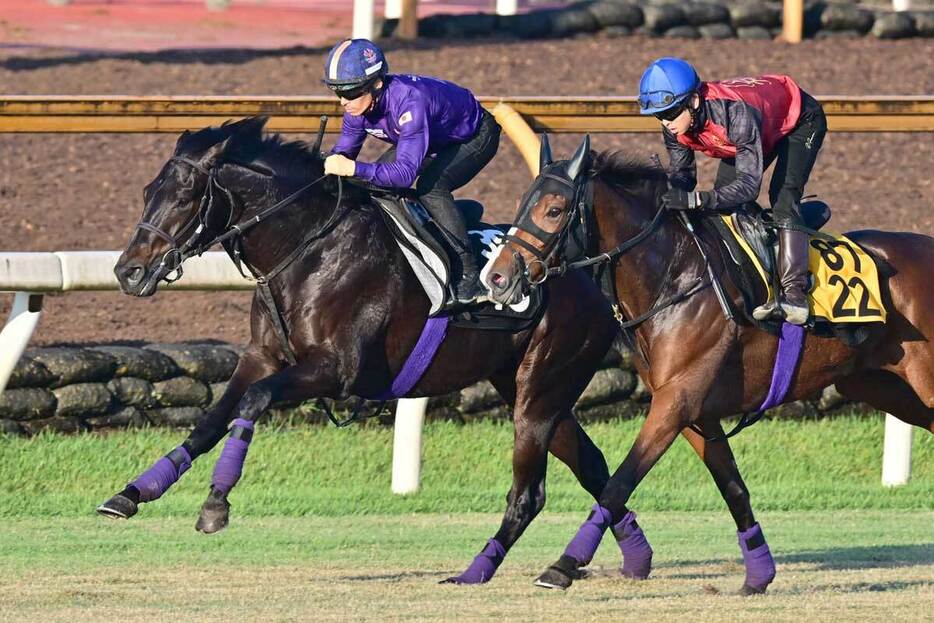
x=337, y=314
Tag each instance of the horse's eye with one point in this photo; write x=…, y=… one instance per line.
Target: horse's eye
x=553, y=213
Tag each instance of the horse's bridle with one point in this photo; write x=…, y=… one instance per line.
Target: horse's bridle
x=181, y=252
x=555, y=240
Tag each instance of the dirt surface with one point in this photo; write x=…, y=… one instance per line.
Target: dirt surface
x=83, y=192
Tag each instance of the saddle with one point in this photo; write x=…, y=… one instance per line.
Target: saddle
x=843, y=289
x=424, y=246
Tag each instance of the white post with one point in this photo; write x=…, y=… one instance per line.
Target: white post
x=896, y=453
x=506, y=7
x=901, y=5
x=24, y=316
x=363, y=22
x=407, y=445
x=393, y=9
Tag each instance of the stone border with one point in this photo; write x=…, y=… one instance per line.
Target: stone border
x=74, y=389
x=702, y=19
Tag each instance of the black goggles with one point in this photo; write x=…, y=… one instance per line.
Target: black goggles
x=350, y=93
x=671, y=114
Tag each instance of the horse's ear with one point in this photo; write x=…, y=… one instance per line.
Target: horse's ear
x=214, y=152
x=181, y=139
x=544, y=156
x=576, y=164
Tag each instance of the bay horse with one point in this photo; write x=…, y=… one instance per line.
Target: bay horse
x=346, y=312
x=699, y=365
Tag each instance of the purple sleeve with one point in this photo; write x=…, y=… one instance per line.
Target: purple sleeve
x=742, y=129
x=682, y=168
x=410, y=150
x=351, y=138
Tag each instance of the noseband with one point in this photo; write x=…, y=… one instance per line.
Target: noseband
x=180, y=252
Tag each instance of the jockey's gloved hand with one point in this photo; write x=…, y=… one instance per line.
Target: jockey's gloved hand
x=338, y=164
x=677, y=199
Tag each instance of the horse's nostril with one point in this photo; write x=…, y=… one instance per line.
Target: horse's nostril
x=134, y=275
x=498, y=280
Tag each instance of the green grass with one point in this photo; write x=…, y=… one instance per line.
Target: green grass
x=832, y=565
x=302, y=471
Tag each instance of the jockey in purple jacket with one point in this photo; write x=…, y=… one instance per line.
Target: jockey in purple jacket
x=440, y=134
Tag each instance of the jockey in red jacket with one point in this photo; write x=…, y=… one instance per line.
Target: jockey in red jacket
x=747, y=123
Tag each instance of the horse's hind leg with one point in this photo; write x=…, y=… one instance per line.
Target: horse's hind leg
x=890, y=393
x=525, y=500
x=155, y=481
x=718, y=457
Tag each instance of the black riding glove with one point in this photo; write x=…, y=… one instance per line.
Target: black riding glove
x=677, y=199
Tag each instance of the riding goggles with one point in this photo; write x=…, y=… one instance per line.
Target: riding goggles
x=671, y=114
x=350, y=93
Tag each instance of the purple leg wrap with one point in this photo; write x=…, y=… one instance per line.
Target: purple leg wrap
x=156, y=480
x=760, y=568
x=484, y=564
x=584, y=544
x=229, y=465
x=637, y=553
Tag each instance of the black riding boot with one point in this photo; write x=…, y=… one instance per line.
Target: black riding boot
x=793, y=270
x=468, y=287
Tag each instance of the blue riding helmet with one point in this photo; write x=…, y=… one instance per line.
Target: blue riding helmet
x=665, y=84
x=354, y=63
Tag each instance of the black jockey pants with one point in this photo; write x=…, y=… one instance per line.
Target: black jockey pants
x=794, y=157
x=452, y=167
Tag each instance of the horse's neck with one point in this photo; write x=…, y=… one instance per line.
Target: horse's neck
x=645, y=272
x=271, y=241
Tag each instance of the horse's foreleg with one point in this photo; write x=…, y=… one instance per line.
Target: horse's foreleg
x=525, y=500
x=309, y=378
x=155, y=481
x=718, y=457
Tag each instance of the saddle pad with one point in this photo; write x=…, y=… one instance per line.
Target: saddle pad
x=845, y=286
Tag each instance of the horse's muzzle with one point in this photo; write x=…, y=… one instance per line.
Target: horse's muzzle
x=135, y=279
x=503, y=289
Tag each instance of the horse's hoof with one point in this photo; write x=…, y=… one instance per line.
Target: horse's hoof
x=747, y=590
x=118, y=507
x=561, y=574
x=215, y=513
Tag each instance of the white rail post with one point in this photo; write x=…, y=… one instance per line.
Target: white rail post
x=407, y=445
x=363, y=20
x=393, y=9
x=896, y=452
x=24, y=316
x=507, y=7
x=901, y=5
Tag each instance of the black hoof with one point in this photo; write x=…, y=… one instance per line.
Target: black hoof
x=561, y=574
x=215, y=513
x=118, y=507
x=747, y=590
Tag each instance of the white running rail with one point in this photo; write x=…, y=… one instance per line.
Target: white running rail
x=30, y=275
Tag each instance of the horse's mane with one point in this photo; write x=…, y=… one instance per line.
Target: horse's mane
x=249, y=144
x=627, y=174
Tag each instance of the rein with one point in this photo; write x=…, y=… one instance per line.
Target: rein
x=233, y=236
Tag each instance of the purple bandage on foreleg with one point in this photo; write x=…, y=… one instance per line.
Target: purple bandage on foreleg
x=156, y=480
x=584, y=544
x=637, y=553
x=760, y=567
x=229, y=465
x=484, y=564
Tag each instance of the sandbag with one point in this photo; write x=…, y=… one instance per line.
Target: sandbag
x=82, y=399
x=75, y=365
x=140, y=362
x=208, y=363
